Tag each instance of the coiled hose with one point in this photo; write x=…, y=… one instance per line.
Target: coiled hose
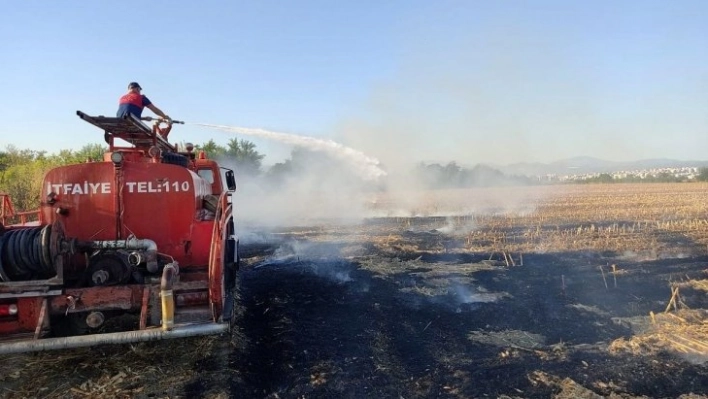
x=25, y=254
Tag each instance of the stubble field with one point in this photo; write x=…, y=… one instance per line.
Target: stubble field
x=527, y=292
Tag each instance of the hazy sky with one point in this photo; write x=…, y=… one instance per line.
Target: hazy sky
x=470, y=81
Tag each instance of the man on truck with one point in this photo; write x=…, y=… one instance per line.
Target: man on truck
x=134, y=101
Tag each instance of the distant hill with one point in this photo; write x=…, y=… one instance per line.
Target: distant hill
x=582, y=165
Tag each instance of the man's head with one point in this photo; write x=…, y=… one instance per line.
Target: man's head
x=134, y=86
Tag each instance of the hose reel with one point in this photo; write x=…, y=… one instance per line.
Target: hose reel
x=33, y=253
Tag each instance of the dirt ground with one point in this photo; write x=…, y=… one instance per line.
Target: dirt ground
x=408, y=307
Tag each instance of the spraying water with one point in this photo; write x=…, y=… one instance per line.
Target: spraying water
x=365, y=166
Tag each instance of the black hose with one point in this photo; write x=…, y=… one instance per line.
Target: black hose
x=24, y=249
x=31, y=254
x=3, y=275
x=37, y=245
x=11, y=237
x=23, y=254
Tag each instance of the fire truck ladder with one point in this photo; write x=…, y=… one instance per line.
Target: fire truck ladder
x=130, y=129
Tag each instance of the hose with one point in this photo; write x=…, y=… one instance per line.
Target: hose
x=24, y=254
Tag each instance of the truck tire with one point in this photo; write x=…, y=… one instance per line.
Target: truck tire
x=236, y=311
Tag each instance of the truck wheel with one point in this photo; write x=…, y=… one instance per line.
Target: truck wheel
x=236, y=310
x=69, y=325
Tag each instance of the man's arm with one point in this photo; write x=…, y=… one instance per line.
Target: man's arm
x=157, y=111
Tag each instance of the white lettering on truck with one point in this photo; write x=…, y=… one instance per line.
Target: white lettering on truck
x=79, y=188
x=157, y=187
x=139, y=187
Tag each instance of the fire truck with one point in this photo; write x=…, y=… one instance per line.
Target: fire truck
x=136, y=247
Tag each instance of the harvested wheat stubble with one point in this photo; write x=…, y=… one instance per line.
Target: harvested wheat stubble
x=684, y=332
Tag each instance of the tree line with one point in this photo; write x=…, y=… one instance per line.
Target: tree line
x=22, y=170
x=663, y=177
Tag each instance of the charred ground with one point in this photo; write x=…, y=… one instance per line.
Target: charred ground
x=387, y=324
x=412, y=308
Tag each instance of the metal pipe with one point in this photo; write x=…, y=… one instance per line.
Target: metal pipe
x=149, y=246
x=186, y=299
x=168, y=299
x=134, y=258
x=79, y=341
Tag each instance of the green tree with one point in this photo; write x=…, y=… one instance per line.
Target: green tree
x=211, y=149
x=605, y=178
x=3, y=161
x=240, y=154
x=244, y=154
x=15, y=156
x=22, y=171
x=23, y=183
x=278, y=173
x=702, y=174
x=89, y=152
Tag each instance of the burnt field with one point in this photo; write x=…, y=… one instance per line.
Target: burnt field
x=572, y=292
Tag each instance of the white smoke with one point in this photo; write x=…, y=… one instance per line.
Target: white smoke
x=365, y=166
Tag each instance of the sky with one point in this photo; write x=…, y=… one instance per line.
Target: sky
x=402, y=81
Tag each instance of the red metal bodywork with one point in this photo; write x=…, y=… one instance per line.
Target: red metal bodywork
x=95, y=209
x=153, y=200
